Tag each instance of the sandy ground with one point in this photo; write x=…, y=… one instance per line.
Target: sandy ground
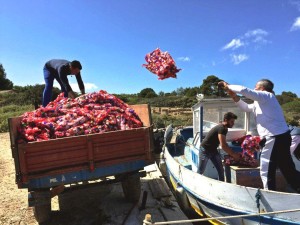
x=13, y=207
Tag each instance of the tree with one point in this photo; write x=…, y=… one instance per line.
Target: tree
x=161, y=93
x=5, y=84
x=147, y=93
x=209, y=87
x=174, y=93
x=192, y=92
x=286, y=97
x=180, y=91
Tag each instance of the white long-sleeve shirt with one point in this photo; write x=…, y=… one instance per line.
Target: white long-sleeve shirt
x=267, y=110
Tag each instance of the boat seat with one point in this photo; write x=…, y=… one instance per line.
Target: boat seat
x=250, y=177
x=183, y=161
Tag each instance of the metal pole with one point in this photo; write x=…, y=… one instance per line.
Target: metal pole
x=201, y=122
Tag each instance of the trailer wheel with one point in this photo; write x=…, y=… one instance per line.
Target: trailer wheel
x=42, y=208
x=132, y=188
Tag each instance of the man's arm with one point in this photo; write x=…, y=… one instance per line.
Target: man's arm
x=260, y=96
x=62, y=74
x=240, y=103
x=65, y=82
x=80, y=83
x=226, y=148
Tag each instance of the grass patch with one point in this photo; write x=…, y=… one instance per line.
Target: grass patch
x=10, y=111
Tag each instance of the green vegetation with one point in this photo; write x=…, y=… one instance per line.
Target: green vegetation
x=292, y=112
x=16, y=100
x=5, y=84
x=161, y=121
x=10, y=111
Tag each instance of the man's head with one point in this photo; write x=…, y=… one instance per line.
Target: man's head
x=264, y=85
x=229, y=119
x=75, y=67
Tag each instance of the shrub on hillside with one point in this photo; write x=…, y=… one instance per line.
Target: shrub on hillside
x=10, y=111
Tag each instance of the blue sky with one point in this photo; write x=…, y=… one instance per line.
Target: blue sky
x=236, y=40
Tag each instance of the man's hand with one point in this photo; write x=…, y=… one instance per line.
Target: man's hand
x=237, y=157
x=71, y=94
x=223, y=85
x=231, y=93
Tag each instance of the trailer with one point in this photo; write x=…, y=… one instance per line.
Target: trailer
x=49, y=167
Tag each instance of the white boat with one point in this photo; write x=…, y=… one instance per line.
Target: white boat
x=240, y=199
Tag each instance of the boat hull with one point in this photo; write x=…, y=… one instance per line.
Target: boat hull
x=213, y=198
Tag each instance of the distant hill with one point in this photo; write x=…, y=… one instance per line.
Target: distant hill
x=21, y=99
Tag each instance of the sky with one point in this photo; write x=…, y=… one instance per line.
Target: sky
x=239, y=41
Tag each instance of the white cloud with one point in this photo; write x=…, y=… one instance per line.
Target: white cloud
x=257, y=36
x=234, y=44
x=256, y=32
x=184, y=59
x=296, y=24
x=237, y=59
x=252, y=38
x=89, y=87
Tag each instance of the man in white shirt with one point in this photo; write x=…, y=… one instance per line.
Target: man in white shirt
x=272, y=126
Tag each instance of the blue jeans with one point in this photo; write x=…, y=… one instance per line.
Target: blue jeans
x=215, y=157
x=49, y=79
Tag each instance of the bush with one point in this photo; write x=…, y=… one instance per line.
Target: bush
x=291, y=111
x=10, y=111
x=161, y=121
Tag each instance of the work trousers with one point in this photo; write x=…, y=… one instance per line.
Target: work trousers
x=276, y=154
x=215, y=158
x=49, y=79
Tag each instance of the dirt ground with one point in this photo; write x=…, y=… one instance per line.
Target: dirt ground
x=13, y=207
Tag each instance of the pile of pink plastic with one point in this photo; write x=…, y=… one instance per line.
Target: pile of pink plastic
x=250, y=145
x=246, y=161
x=91, y=113
x=161, y=64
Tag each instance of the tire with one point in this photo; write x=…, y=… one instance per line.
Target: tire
x=42, y=208
x=132, y=188
x=182, y=199
x=62, y=202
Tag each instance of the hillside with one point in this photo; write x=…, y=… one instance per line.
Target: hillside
x=21, y=99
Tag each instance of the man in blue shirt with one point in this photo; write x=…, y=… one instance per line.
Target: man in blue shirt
x=59, y=69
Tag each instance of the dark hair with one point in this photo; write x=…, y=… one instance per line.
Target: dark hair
x=267, y=84
x=76, y=64
x=229, y=116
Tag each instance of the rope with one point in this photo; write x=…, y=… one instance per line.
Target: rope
x=257, y=196
x=219, y=218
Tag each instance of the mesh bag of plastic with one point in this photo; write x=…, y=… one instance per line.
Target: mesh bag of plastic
x=161, y=64
x=250, y=145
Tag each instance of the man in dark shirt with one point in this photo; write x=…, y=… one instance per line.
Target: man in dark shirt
x=215, y=137
x=59, y=69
